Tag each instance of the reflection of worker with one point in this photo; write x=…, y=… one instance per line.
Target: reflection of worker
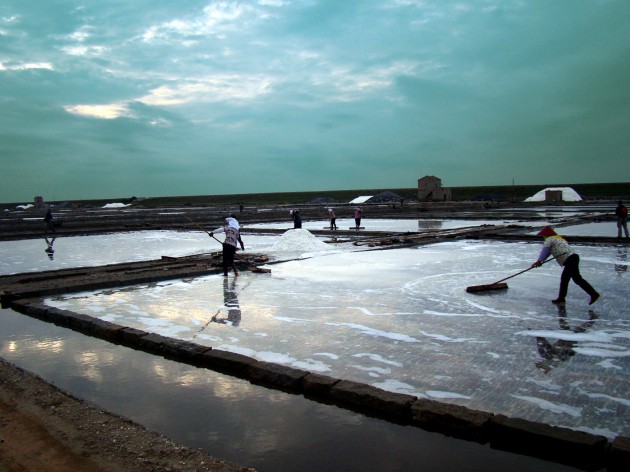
x=622, y=265
x=561, y=350
x=230, y=244
x=230, y=302
x=49, y=250
x=333, y=218
x=621, y=212
x=556, y=246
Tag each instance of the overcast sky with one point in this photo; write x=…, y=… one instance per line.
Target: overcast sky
x=120, y=98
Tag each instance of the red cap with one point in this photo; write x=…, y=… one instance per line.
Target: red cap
x=546, y=231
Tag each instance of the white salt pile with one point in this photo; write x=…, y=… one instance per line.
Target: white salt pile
x=298, y=242
x=568, y=195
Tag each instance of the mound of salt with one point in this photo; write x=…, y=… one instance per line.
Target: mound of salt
x=299, y=241
x=568, y=195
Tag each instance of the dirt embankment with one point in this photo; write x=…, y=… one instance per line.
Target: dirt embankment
x=43, y=428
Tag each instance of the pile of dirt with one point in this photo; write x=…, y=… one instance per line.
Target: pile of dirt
x=44, y=428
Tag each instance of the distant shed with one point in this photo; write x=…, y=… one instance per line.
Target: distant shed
x=430, y=189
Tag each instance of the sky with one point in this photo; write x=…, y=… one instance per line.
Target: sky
x=107, y=99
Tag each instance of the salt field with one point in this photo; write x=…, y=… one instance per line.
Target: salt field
x=397, y=319
x=31, y=255
x=402, y=320
x=605, y=229
x=385, y=225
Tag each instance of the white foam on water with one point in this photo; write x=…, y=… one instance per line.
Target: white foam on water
x=367, y=312
x=598, y=431
x=441, y=337
x=396, y=386
x=602, y=352
x=275, y=357
x=312, y=365
x=376, y=357
x=566, y=335
x=377, y=333
x=446, y=395
x=547, y=384
x=327, y=354
x=288, y=319
x=439, y=313
x=608, y=364
x=549, y=406
x=374, y=371
x=621, y=401
x=237, y=350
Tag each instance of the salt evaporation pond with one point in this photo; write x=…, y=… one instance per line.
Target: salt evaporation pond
x=401, y=320
x=597, y=229
x=385, y=225
x=30, y=255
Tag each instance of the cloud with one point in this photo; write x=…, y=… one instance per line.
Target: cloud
x=108, y=112
x=216, y=88
x=26, y=66
x=312, y=93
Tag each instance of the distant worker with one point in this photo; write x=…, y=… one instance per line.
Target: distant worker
x=621, y=212
x=297, y=219
x=357, y=217
x=50, y=221
x=556, y=246
x=333, y=219
x=230, y=245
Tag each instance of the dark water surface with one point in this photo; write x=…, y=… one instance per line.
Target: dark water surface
x=233, y=419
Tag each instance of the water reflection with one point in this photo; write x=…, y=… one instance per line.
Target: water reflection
x=561, y=350
x=622, y=257
x=49, y=249
x=426, y=225
x=230, y=303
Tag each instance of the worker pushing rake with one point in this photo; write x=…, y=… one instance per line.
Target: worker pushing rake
x=231, y=228
x=558, y=248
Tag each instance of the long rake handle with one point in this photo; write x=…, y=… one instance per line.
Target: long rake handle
x=202, y=229
x=525, y=270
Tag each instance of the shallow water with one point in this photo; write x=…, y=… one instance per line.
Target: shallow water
x=397, y=319
x=401, y=320
x=231, y=418
x=385, y=225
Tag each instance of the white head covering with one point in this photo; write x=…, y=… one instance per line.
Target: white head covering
x=232, y=222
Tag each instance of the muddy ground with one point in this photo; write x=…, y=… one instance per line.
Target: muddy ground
x=43, y=428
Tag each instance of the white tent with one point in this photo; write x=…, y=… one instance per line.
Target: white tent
x=361, y=199
x=568, y=195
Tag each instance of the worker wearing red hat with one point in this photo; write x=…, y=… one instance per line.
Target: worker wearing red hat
x=556, y=246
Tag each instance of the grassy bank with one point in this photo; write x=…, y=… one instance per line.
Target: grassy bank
x=517, y=193
x=504, y=193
